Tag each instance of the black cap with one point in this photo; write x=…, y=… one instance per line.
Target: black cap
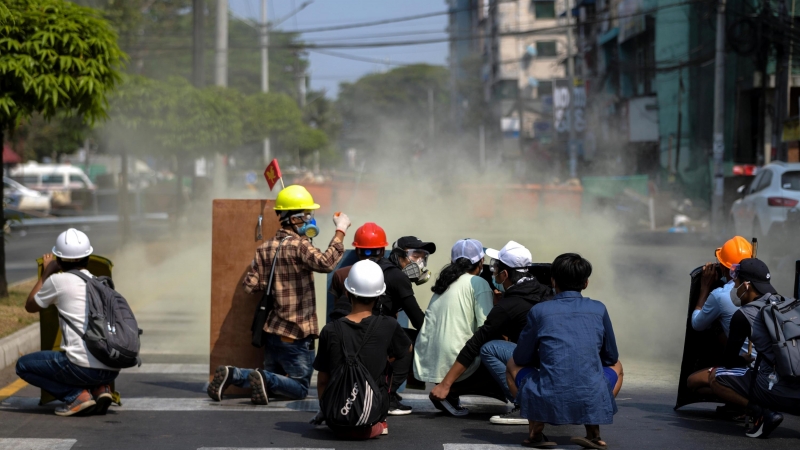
x=755, y=272
x=406, y=242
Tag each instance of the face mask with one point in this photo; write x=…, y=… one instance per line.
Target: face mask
x=498, y=286
x=737, y=301
x=309, y=229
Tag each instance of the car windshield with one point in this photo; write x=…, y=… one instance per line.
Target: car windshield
x=791, y=181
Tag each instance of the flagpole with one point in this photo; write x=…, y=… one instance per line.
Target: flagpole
x=282, y=186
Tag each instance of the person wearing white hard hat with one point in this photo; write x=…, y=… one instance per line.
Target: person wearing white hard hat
x=494, y=342
x=73, y=375
x=459, y=306
x=364, y=284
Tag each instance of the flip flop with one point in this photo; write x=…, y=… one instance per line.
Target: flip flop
x=544, y=443
x=585, y=442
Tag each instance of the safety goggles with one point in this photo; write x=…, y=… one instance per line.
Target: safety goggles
x=493, y=265
x=417, y=255
x=735, y=271
x=306, y=216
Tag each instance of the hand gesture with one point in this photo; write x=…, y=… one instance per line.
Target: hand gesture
x=341, y=221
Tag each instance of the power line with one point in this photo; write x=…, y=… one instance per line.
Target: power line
x=356, y=58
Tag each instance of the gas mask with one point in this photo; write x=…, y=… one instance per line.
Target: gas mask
x=309, y=227
x=415, y=270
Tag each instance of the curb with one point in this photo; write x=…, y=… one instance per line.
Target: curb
x=18, y=344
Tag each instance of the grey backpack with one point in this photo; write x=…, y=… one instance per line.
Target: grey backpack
x=782, y=320
x=112, y=334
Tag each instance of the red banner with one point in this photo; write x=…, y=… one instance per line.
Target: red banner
x=272, y=173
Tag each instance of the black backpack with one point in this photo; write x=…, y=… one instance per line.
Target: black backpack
x=112, y=334
x=352, y=398
x=781, y=318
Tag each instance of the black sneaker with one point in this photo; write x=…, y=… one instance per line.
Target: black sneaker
x=764, y=424
x=222, y=379
x=512, y=417
x=259, y=394
x=396, y=408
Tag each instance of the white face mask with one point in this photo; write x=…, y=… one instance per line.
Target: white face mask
x=737, y=301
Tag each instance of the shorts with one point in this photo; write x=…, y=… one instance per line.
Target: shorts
x=783, y=397
x=610, y=374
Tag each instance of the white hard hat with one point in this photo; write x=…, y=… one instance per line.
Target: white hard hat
x=72, y=244
x=365, y=280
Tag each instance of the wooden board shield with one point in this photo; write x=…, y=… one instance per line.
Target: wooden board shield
x=234, y=239
x=701, y=349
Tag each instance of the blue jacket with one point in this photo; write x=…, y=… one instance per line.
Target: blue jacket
x=568, y=339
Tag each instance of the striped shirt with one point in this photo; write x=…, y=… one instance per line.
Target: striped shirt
x=295, y=312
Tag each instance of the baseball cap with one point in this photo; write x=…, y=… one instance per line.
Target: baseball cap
x=471, y=249
x=756, y=272
x=414, y=242
x=513, y=254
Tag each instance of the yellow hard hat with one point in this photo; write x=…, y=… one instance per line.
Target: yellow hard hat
x=294, y=198
x=734, y=251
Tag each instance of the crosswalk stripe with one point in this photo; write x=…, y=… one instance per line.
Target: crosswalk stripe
x=193, y=369
x=36, y=444
x=419, y=402
x=263, y=448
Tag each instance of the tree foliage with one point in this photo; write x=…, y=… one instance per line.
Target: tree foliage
x=55, y=57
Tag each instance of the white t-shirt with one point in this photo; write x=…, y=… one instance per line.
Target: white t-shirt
x=68, y=293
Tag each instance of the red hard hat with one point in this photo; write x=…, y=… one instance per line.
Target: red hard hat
x=370, y=235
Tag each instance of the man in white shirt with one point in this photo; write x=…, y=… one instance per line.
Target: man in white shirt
x=72, y=375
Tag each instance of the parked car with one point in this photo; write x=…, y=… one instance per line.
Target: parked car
x=21, y=198
x=769, y=204
x=58, y=180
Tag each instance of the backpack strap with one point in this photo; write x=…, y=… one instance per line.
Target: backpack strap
x=337, y=326
x=272, y=269
x=80, y=275
x=72, y=325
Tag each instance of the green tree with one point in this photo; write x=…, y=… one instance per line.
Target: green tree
x=55, y=57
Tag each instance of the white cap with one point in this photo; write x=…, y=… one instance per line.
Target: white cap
x=72, y=244
x=365, y=279
x=513, y=254
x=472, y=249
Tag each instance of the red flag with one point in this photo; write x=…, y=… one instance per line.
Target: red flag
x=273, y=173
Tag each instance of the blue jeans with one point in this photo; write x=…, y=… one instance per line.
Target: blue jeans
x=294, y=359
x=495, y=356
x=56, y=374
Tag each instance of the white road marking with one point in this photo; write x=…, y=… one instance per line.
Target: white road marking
x=36, y=444
x=263, y=448
x=193, y=369
x=481, y=447
x=419, y=402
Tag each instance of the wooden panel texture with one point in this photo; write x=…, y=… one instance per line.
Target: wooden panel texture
x=233, y=245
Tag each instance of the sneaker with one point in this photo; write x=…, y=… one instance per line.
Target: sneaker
x=102, y=398
x=83, y=403
x=385, y=428
x=764, y=424
x=222, y=379
x=259, y=394
x=396, y=408
x=455, y=407
x=512, y=417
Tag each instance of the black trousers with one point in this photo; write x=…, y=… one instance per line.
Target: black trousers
x=401, y=367
x=479, y=383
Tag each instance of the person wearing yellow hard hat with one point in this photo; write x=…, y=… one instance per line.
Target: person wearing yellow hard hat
x=283, y=269
x=715, y=304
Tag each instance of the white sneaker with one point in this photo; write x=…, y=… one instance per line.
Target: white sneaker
x=512, y=417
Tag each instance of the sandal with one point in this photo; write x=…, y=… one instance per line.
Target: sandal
x=585, y=442
x=542, y=442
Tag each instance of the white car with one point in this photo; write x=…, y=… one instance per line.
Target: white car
x=769, y=204
x=21, y=198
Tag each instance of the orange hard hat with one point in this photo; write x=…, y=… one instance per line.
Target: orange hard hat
x=370, y=235
x=733, y=251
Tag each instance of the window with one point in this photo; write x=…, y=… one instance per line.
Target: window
x=545, y=88
x=544, y=9
x=52, y=179
x=77, y=179
x=546, y=49
x=506, y=89
x=791, y=181
x=28, y=180
x=764, y=181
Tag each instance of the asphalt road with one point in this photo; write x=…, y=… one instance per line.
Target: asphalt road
x=644, y=284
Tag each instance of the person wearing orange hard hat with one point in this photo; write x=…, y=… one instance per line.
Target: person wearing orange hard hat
x=370, y=243
x=716, y=305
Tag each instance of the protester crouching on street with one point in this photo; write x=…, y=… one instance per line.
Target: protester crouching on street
x=760, y=389
x=291, y=326
x=459, y=306
x=508, y=317
x=364, y=284
x=565, y=367
x=73, y=375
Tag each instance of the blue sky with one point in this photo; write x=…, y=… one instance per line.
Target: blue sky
x=328, y=71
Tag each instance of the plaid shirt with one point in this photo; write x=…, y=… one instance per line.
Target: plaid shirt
x=295, y=311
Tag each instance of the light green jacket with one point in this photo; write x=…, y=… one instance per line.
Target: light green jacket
x=450, y=321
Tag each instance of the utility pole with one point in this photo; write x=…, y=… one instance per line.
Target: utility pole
x=265, y=69
x=198, y=50
x=431, y=119
x=719, y=121
x=221, y=60
x=573, y=149
x=781, y=87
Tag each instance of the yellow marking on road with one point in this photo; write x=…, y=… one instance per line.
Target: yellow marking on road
x=12, y=389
